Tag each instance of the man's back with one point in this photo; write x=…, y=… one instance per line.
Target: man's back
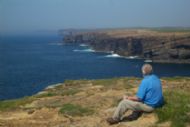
x=150, y=91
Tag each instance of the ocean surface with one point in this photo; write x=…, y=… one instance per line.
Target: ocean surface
x=28, y=64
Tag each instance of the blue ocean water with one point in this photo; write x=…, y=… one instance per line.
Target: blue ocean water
x=28, y=64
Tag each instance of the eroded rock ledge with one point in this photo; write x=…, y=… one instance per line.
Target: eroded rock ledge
x=166, y=47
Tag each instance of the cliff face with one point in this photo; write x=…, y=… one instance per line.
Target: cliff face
x=159, y=47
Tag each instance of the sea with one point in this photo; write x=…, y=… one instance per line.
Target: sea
x=30, y=63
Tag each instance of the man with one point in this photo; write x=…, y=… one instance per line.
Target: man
x=148, y=97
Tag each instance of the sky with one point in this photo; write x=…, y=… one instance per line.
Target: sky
x=34, y=15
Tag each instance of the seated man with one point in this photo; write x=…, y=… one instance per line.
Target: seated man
x=148, y=97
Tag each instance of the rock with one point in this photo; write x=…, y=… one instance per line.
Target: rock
x=31, y=111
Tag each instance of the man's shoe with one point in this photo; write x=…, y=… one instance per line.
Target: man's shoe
x=134, y=116
x=112, y=121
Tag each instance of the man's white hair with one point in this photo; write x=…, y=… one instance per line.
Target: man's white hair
x=147, y=69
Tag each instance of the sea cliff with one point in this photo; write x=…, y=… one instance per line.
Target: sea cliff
x=158, y=46
x=87, y=103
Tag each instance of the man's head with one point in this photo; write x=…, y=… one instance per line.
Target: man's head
x=147, y=69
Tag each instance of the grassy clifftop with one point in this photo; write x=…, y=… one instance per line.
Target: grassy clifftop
x=87, y=103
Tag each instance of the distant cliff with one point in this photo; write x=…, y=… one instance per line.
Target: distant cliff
x=166, y=47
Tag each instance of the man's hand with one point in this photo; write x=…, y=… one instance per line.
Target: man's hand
x=132, y=98
x=125, y=97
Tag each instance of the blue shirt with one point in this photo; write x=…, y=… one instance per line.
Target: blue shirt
x=150, y=91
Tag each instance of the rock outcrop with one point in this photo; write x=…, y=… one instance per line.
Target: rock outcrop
x=172, y=47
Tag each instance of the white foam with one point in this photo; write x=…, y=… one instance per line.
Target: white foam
x=83, y=45
x=113, y=55
x=112, y=52
x=84, y=50
x=148, y=61
x=131, y=57
x=53, y=86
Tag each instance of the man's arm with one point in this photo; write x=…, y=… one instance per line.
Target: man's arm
x=133, y=98
x=140, y=93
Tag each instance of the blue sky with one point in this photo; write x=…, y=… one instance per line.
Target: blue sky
x=32, y=15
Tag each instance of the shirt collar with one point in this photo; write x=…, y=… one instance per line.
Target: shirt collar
x=146, y=76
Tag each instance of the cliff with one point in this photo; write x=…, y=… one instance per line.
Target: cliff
x=87, y=103
x=158, y=46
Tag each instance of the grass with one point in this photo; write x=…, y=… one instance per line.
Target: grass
x=14, y=104
x=48, y=94
x=105, y=82
x=70, y=92
x=128, y=82
x=116, y=101
x=75, y=110
x=62, y=92
x=176, y=109
x=176, y=78
x=74, y=83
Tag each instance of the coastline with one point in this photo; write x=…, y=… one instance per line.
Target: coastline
x=159, y=47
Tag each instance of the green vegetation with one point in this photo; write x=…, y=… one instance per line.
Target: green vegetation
x=75, y=110
x=14, y=104
x=105, y=82
x=127, y=82
x=114, y=82
x=66, y=92
x=59, y=92
x=176, y=92
x=70, y=92
x=177, y=78
x=73, y=83
x=48, y=94
x=176, y=109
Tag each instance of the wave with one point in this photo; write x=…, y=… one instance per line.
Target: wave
x=83, y=45
x=84, y=50
x=132, y=57
x=113, y=55
x=148, y=61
